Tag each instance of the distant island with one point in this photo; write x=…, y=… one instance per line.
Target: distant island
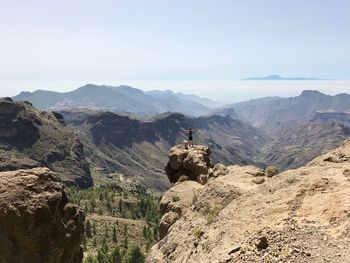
x=278, y=77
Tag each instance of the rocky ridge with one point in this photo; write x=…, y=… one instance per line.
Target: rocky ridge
x=31, y=138
x=37, y=224
x=300, y=215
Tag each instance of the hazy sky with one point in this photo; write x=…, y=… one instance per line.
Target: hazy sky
x=171, y=40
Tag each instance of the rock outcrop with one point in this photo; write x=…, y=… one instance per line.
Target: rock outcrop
x=300, y=215
x=31, y=138
x=190, y=163
x=189, y=169
x=37, y=224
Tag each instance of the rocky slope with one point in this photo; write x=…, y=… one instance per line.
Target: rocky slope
x=37, y=224
x=32, y=138
x=299, y=215
x=297, y=143
x=133, y=147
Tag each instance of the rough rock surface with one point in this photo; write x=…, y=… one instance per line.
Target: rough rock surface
x=300, y=215
x=31, y=138
x=191, y=162
x=176, y=202
x=37, y=224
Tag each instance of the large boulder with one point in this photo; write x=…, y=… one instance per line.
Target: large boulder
x=37, y=224
x=191, y=162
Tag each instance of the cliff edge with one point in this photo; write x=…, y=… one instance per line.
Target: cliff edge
x=300, y=215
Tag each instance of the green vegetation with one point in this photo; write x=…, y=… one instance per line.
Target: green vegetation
x=271, y=171
x=212, y=213
x=121, y=222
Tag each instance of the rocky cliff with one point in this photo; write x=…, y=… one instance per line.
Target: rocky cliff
x=37, y=224
x=299, y=215
x=31, y=138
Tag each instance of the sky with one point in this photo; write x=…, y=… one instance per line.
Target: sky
x=170, y=41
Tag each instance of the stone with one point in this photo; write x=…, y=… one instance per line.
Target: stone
x=234, y=250
x=258, y=180
x=261, y=243
x=203, y=179
x=219, y=169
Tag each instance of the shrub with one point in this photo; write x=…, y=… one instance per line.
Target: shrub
x=212, y=213
x=271, y=171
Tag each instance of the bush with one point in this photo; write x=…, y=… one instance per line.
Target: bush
x=271, y=171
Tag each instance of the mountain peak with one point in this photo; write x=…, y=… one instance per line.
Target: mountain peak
x=311, y=93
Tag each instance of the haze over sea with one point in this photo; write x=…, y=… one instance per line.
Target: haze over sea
x=225, y=91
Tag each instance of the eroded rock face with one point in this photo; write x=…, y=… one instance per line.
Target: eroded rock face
x=37, y=224
x=176, y=202
x=191, y=162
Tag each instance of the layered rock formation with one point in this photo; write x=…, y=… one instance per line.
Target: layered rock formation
x=31, y=138
x=300, y=215
x=37, y=224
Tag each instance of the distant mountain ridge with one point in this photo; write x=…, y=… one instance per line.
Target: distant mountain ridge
x=272, y=112
x=119, y=99
x=278, y=77
x=191, y=97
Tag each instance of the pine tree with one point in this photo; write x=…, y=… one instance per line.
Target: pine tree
x=88, y=231
x=134, y=255
x=114, y=235
x=126, y=238
x=116, y=257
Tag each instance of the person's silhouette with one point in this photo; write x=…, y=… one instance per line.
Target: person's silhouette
x=190, y=137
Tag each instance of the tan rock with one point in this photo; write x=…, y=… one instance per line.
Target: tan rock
x=191, y=162
x=219, y=169
x=258, y=180
x=175, y=202
x=305, y=209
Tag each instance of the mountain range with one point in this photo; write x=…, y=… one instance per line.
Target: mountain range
x=121, y=99
x=270, y=113
x=285, y=132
